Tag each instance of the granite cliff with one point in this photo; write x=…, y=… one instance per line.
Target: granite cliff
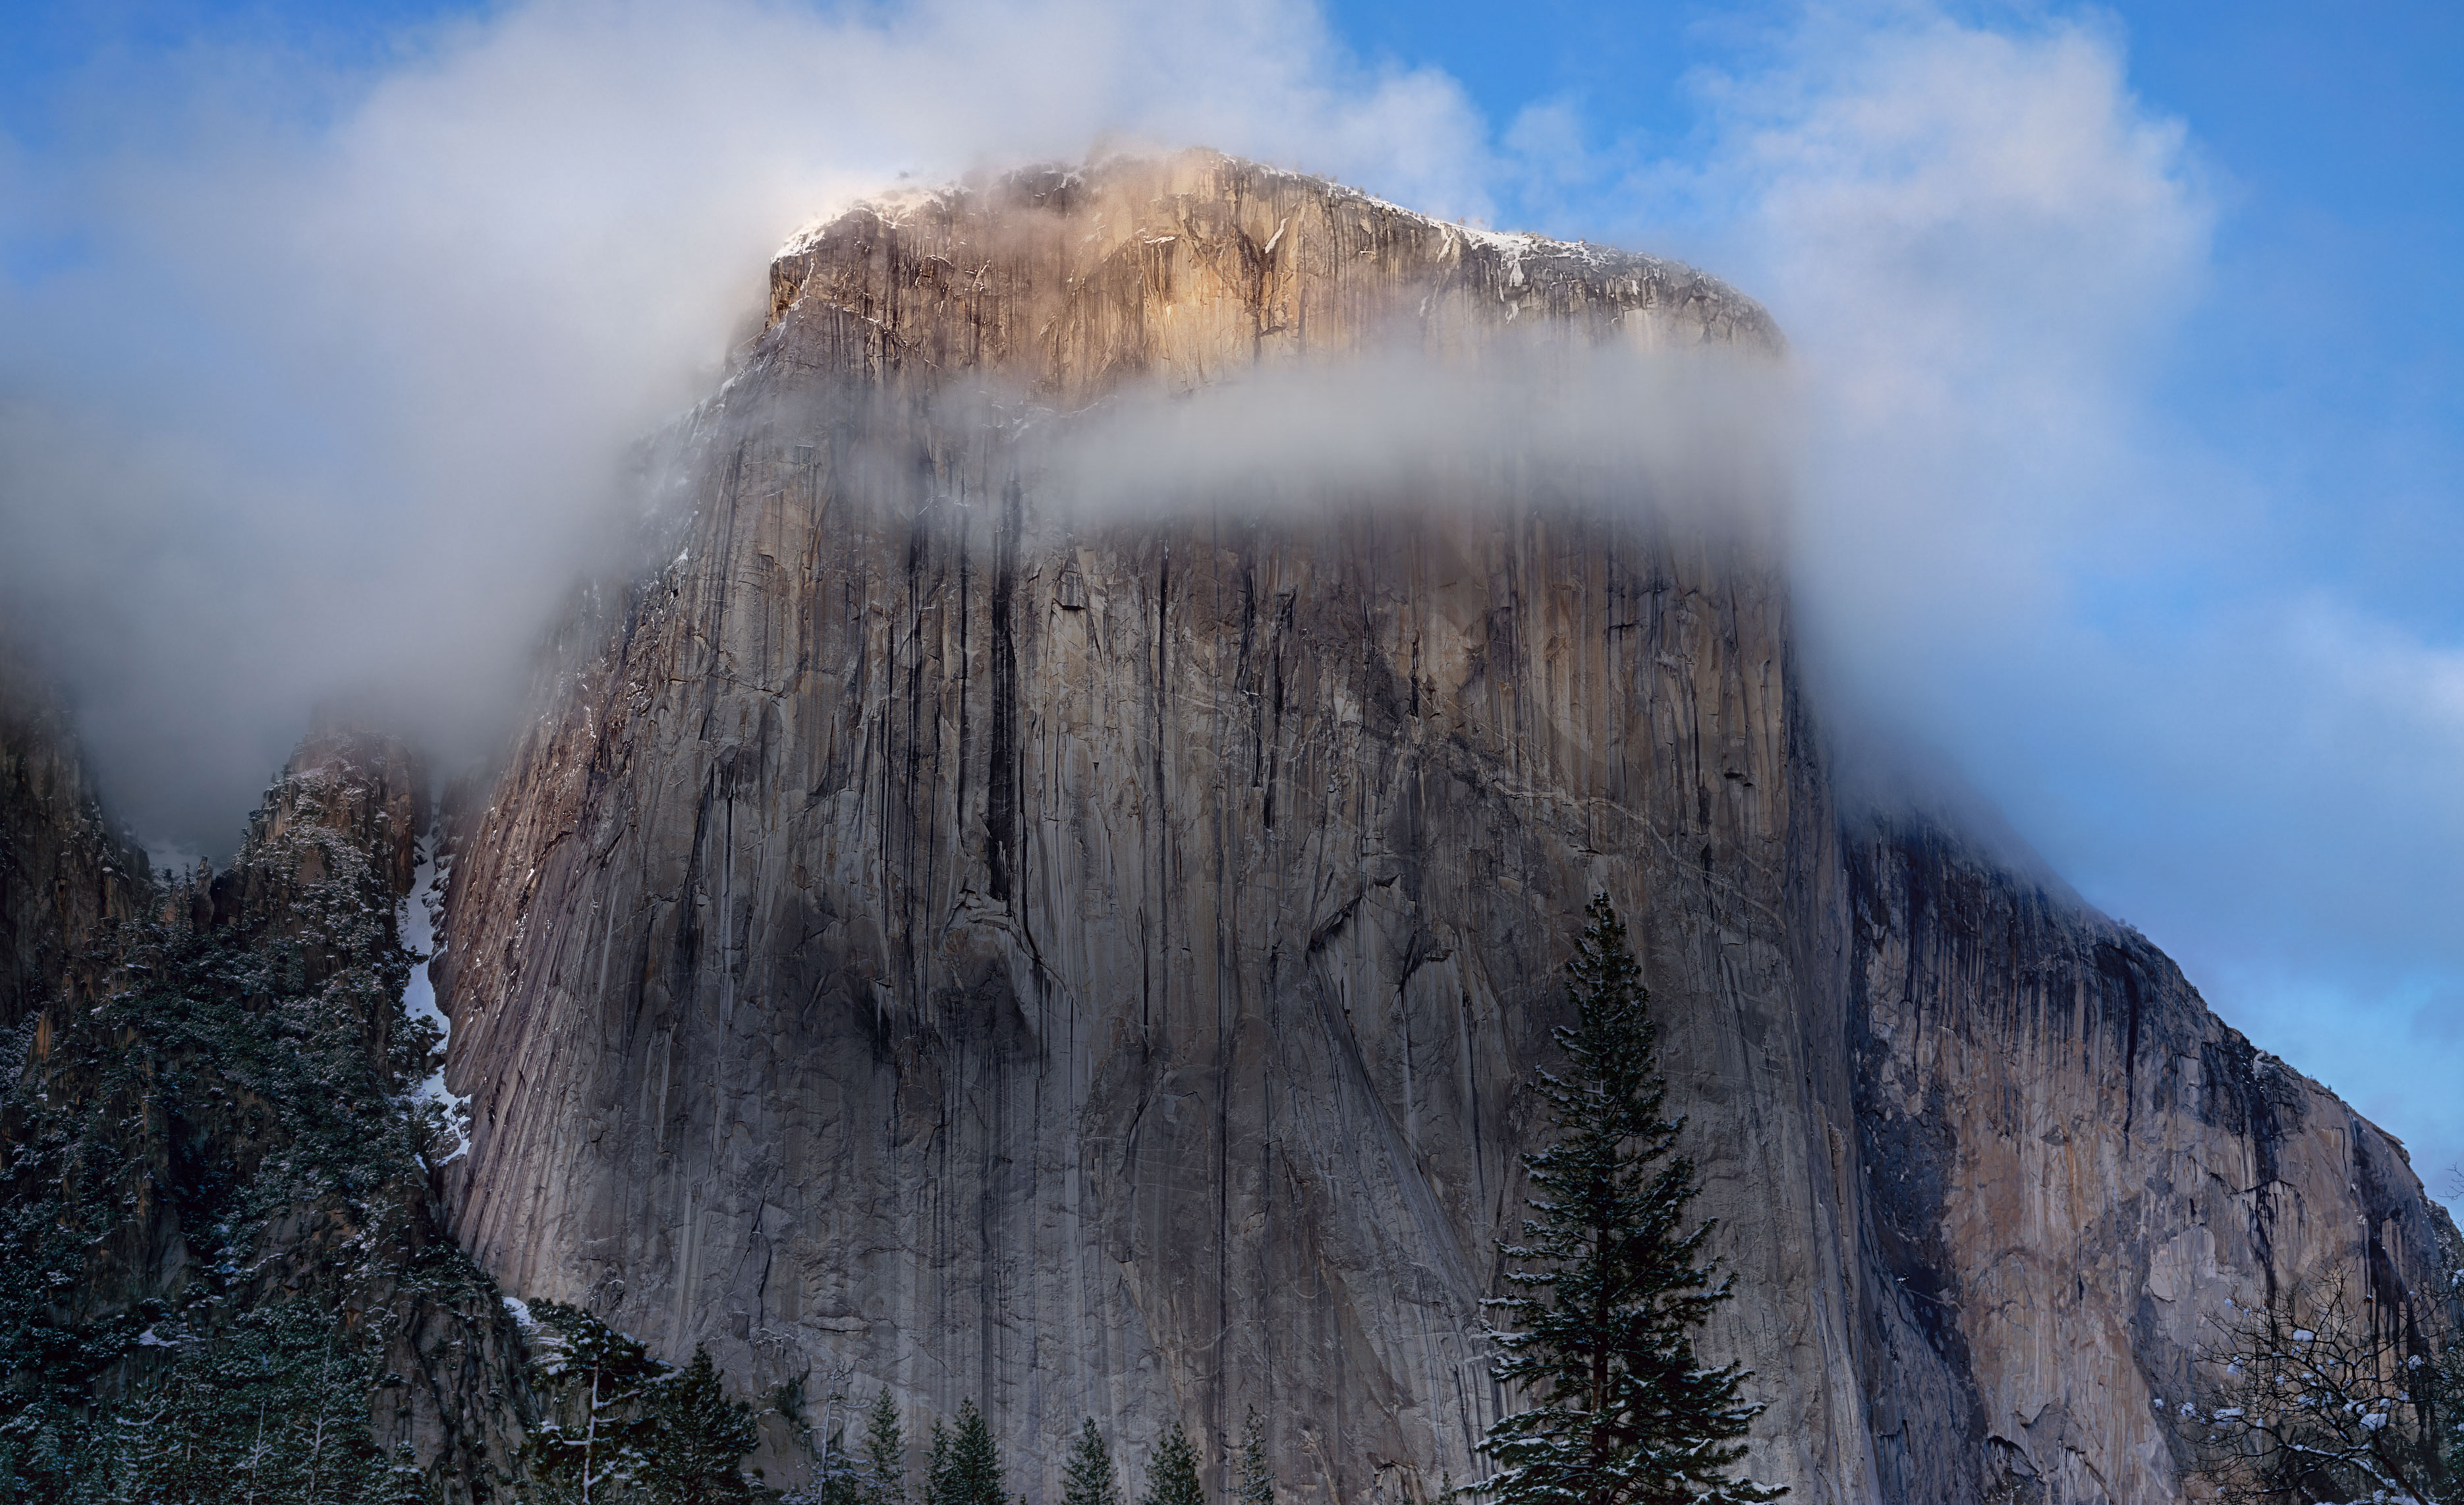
x=1086, y=965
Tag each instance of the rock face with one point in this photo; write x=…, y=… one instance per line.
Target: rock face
x=64, y=873
x=2068, y=1166
x=1088, y=967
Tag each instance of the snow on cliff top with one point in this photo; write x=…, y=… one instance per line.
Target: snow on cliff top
x=893, y=205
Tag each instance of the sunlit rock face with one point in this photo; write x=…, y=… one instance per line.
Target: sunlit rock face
x=1086, y=962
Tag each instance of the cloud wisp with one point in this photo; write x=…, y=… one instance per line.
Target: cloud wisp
x=2017, y=548
x=1706, y=435
x=335, y=392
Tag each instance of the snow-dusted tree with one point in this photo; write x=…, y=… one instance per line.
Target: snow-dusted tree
x=1172, y=1474
x=698, y=1437
x=1611, y=1284
x=1255, y=1482
x=818, y=1407
x=938, y=1489
x=2320, y=1395
x=1089, y=1478
x=599, y=1382
x=624, y=1428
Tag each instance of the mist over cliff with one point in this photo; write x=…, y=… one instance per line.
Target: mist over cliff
x=429, y=298
x=1091, y=690
x=1024, y=787
x=423, y=314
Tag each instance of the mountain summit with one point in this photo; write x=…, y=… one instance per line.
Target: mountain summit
x=1087, y=965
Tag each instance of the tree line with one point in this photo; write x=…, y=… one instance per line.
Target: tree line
x=962, y=1466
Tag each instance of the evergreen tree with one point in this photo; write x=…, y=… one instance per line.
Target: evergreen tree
x=698, y=1437
x=1255, y=1484
x=1611, y=1286
x=600, y=1385
x=1172, y=1475
x=841, y=1477
x=974, y=1473
x=1088, y=1479
x=938, y=1488
x=885, y=1453
x=623, y=1428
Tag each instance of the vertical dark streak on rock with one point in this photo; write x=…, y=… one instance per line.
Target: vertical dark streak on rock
x=963, y=519
x=905, y=817
x=1158, y=972
x=1001, y=792
x=2128, y=976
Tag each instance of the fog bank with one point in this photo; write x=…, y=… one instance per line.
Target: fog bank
x=338, y=388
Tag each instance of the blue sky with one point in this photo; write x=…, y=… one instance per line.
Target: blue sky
x=2134, y=337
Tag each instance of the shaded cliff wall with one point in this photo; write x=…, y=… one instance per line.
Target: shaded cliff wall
x=1086, y=965
x=2071, y=1168
x=65, y=872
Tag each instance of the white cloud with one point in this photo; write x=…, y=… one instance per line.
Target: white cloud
x=338, y=392
x=1972, y=237
x=1984, y=248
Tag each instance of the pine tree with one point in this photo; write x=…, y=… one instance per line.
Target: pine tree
x=885, y=1453
x=603, y=1387
x=1089, y=1478
x=1172, y=1475
x=938, y=1487
x=1255, y=1485
x=700, y=1435
x=1611, y=1287
x=624, y=1427
x=975, y=1472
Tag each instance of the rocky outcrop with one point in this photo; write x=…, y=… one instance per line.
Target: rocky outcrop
x=2071, y=1165
x=1087, y=963
x=65, y=872
x=215, y=1190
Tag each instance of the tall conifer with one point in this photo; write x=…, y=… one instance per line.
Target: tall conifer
x=885, y=1453
x=937, y=1485
x=702, y=1434
x=1256, y=1482
x=973, y=1476
x=1089, y=1478
x=1611, y=1285
x=1171, y=1474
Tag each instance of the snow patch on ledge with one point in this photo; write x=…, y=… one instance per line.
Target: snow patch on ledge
x=420, y=914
